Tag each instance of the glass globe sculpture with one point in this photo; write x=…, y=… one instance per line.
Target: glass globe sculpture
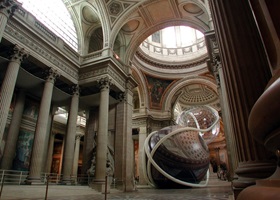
x=177, y=156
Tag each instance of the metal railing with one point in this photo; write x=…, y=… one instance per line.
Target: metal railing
x=13, y=177
x=19, y=177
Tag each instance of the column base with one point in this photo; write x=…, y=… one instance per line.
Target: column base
x=100, y=186
x=129, y=186
x=249, y=172
x=33, y=181
x=67, y=181
x=263, y=190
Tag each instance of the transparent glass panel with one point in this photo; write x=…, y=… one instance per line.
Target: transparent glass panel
x=55, y=16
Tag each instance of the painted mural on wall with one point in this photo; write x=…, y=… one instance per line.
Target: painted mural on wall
x=26, y=137
x=23, y=152
x=31, y=109
x=157, y=88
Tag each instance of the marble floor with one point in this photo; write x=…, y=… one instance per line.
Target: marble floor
x=221, y=190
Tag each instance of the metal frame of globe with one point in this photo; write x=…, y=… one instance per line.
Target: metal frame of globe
x=147, y=168
x=189, y=112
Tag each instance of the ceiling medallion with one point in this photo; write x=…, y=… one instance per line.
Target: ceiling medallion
x=115, y=8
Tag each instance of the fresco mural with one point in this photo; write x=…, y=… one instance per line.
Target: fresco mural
x=31, y=109
x=26, y=137
x=23, y=152
x=157, y=88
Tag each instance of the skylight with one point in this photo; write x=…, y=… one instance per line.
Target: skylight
x=179, y=36
x=54, y=15
x=175, y=44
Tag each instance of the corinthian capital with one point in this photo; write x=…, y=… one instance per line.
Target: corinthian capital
x=121, y=97
x=18, y=54
x=52, y=74
x=8, y=7
x=75, y=90
x=104, y=83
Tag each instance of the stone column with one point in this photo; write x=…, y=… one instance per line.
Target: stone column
x=50, y=153
x=37, y=160
x=210, y=22
x=7, y=9
x=49, y=156
x=120, y=143
x=8, y=85
x=124, y=149
x=246, y=73
x=142, y=138
x=89, y=141
x=102, y=134
x=10, y=147
x=48, y=138
x=215, y=66
x=70, y=136
x=128, y=143
x=76, y=155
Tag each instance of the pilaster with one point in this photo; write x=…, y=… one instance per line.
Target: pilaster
x=142, y=138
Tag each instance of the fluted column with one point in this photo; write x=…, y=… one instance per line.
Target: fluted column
x=89, y=142
x=8, y=85
x=70, y=136
x=12, y=137
x=50, y=153
x=120, y=142
x=102, y=134
x=246, y=73
x=124, y=148
x=37, y=156
x=76, y=155
x=7, y=9
x=142, y=138
x=129, y=147
x=215, y=66
x=210, y=22
x=228, y=126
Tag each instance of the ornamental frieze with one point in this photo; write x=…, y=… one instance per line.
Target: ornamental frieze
x=152, y=62
x=139, y=122
x=93, y=73
x=13, y=31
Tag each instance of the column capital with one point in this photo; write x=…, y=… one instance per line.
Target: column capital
x=75, y=89
x=121, y=97
x=78, y=136
x=18, y=54
x=52, y=74
x=8, y=7
x=104, y=82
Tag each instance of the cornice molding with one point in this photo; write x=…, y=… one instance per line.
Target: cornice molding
x=18, y=35
x=171, y=66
